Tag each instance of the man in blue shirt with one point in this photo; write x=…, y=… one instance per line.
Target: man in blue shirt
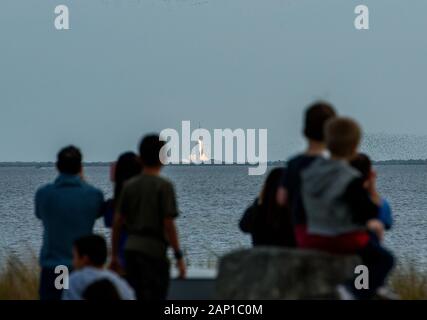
x=68, y=209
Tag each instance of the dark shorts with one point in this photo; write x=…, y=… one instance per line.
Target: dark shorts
x=47, y=290
x=148, y=276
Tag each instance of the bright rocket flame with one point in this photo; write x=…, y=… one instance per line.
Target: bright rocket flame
x=201, y=155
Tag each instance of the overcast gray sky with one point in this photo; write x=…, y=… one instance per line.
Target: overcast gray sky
x=128, y=67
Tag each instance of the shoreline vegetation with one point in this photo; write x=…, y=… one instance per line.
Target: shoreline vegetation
x=38, y=165
x=19, y=280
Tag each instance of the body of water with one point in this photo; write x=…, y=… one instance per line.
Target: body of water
x=211, y=201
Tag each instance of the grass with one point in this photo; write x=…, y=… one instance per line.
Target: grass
x=19, y=280
x=409, y=283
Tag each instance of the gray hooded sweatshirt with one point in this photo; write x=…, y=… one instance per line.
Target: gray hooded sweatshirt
x=324, y=184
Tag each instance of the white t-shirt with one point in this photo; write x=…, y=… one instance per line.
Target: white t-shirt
x=81, y=279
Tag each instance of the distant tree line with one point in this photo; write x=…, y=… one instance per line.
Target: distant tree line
x=277, y=163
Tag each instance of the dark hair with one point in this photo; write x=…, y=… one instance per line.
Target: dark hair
x=69, y=160
x=101, y=290
x=149, y=150
x=271, y=218
x=127, y=166
x=363, y=164
x=342, y=136
x=315, y=118
x=269, y=191
x=94, y=247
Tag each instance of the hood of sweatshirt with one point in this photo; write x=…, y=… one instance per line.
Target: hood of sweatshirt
x=327, y=178
x=324, y=184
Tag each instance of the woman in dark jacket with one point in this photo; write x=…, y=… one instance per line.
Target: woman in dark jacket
x=269, y=223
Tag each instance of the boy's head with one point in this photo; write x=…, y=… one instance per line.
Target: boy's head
x=89, y=251
x=342, y=137
x=149, y=150
x=363, y=164
x=69, y=160
x=315, y=119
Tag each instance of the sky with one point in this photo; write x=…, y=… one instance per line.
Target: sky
x=129, y=67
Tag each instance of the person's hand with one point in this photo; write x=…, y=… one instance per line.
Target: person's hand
x=182, y=269
x=373, y=192
x=377, y=227
x=115, y=265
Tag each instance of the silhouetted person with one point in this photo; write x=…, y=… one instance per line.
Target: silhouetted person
x=127, y=166
x=147, y=209
x=269, y=223
x=89, y=279
x=341, y=215
x=68, y=209
x=315, y=119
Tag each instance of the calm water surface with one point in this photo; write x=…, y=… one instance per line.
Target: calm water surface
x=211, y=201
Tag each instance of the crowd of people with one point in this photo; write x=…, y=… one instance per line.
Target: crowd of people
x=141, y=215
x=324, y=199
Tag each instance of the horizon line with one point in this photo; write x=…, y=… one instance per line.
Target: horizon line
x=106, y=163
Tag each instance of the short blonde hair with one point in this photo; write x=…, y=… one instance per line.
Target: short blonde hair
x=342, y=136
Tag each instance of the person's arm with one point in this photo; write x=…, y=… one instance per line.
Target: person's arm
x=169, y=208
x=37, y=200
x=386, y=214
x=360, y=201
x=365, y=209
x=172, y=237
x=115, y=238
x=108, y=213
x=377, y=227
x=246, y=222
